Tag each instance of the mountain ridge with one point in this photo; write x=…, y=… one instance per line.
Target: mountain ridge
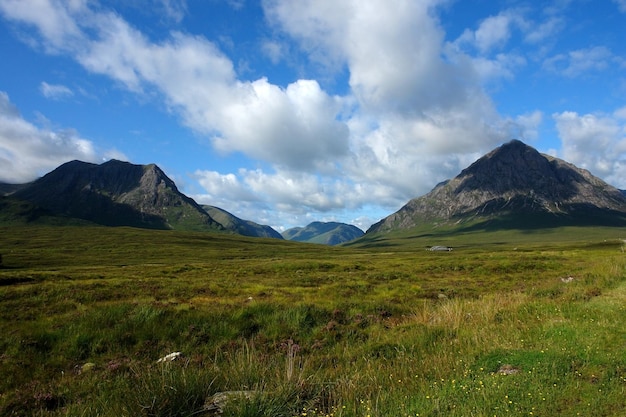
x=513, y=179
x=116, y=193
x=327, y=233
x=240, y=226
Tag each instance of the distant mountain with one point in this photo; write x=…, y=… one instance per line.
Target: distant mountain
x=514, y=186
x=330, y=233
x=6, y=189
x=237, y=225
x=114, y=193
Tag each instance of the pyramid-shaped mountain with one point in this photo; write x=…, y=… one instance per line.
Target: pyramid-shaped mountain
x=116, y=193
x=326, y=233
x=514, y=186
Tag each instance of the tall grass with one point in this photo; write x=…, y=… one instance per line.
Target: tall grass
x=308, y=330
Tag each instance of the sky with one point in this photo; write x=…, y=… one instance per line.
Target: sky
x=285, y=112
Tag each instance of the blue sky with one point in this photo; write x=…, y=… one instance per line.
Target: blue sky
x=289, y=111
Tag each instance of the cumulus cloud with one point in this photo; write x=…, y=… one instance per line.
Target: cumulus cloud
x=399, y=75
x=529, y=125
x=596, y=142
x=298, y=191
x=492, y=33
x=174, y=9
x=391, y=52
x=295, y=126
x=542, y=31
x=581, y=61
x=223, y=188
x=293, y=198
x=55, y=91
x=273, y=50
x=487, y=44
x=55, y=20
x=27, y=150
x=502, y=66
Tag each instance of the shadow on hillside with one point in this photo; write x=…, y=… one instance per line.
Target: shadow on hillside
x=581, y=215
x=584, y=215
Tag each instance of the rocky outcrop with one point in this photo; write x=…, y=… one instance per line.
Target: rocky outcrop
x=216, y=403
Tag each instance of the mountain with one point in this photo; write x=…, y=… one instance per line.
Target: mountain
x=330, y=233
x=514, y=186
x=237, y=225
x=115, y=193
x=6, y=189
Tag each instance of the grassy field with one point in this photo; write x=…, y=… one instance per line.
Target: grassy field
x=508, y=323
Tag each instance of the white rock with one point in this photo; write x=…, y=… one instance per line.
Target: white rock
x=171, y=357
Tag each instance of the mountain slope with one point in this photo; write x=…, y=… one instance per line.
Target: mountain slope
x=331, y=233
x=6, y=189
x=237, y=225
x=116, y=194
x=516, y=183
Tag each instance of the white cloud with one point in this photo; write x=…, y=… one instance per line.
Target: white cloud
x=620, y=113
x=543, y=31
x=529, y=125
x=55, y=91
x=223, y=188
x=295, y=127
x=174, y=9
x=273, y=50
x=482, y=48
x=582, y=61
x=595, y=142
x=493, y=32
x=27, y=150
x=392, y=53
x=419, y=110
x=502, y=66
x=55, y=19
x=285, y=198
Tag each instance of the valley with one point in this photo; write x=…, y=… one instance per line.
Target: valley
x=511, y=322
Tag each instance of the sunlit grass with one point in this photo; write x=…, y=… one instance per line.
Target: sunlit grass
x=491, y=329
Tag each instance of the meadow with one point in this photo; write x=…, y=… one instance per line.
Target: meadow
x=509, y=323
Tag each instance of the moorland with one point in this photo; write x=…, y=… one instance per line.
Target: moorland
x=509, y=322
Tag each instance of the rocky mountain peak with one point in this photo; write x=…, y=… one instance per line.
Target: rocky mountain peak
x=513, y=179
x=518, y=168
x=116, y=193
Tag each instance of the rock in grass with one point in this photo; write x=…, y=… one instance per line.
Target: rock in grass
x=170, y=357
x=215, y=404
x=508, y=370
x=88, y=367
